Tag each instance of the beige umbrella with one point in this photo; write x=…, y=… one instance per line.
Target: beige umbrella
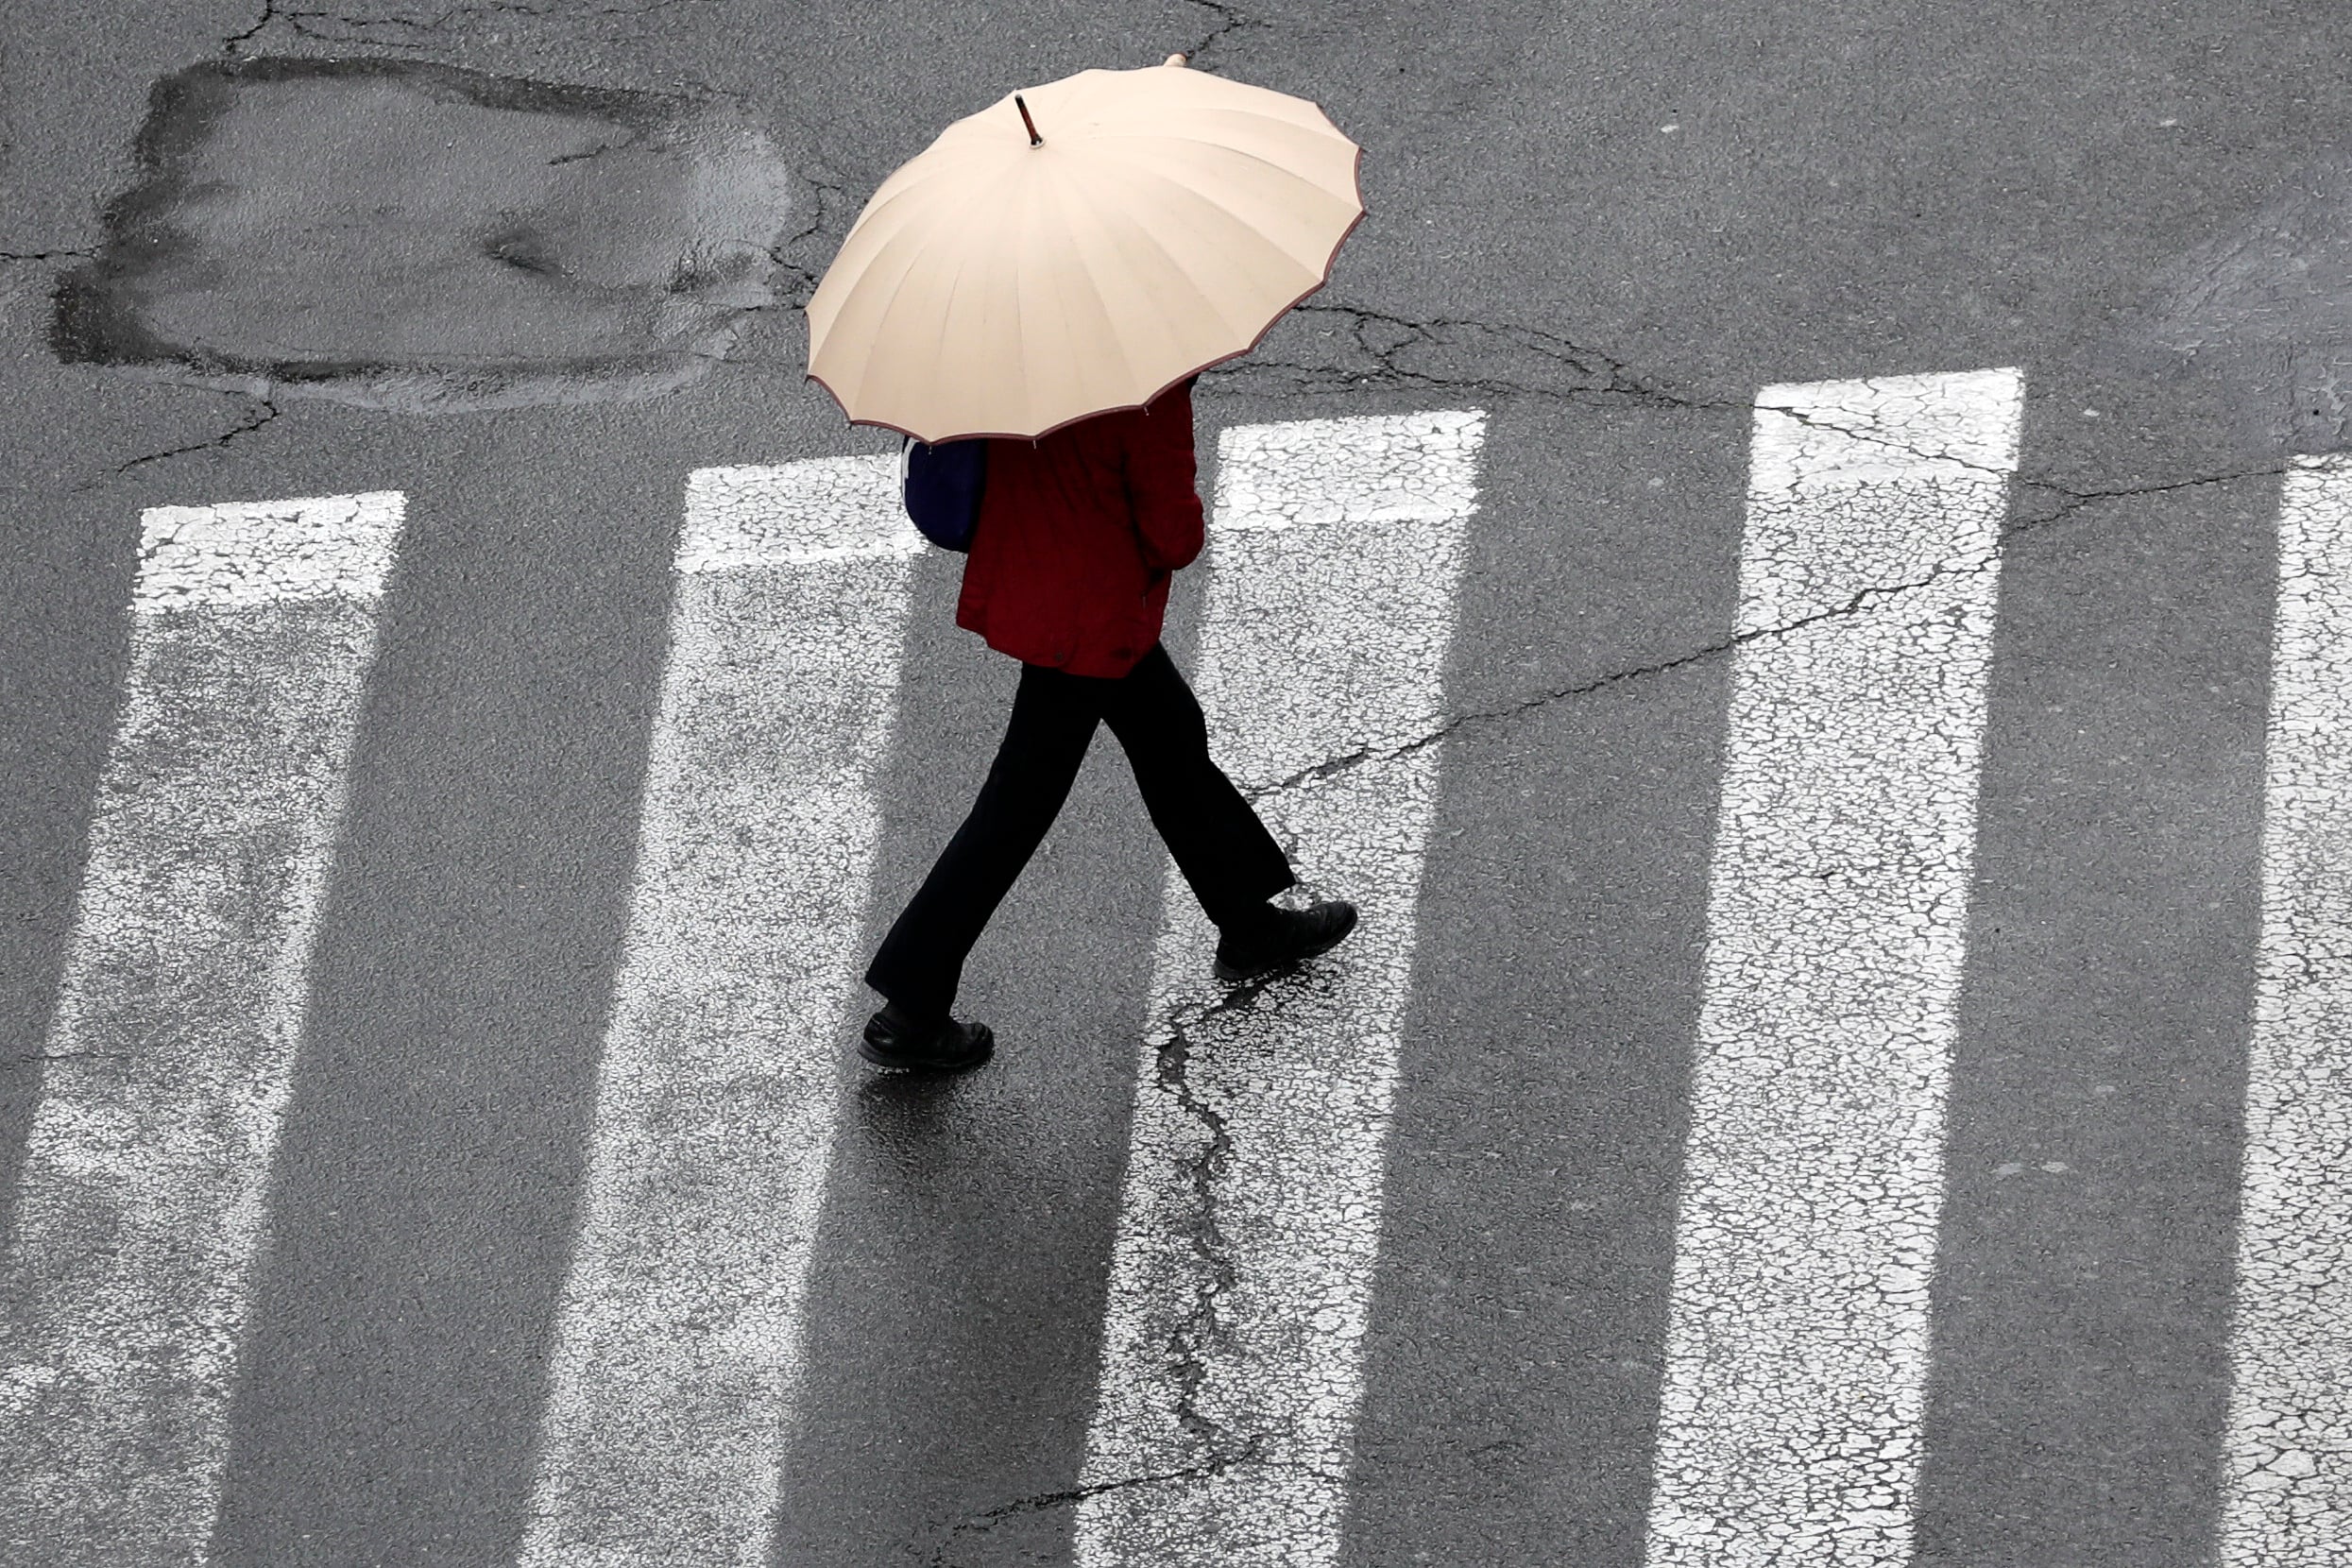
x=1080, y=246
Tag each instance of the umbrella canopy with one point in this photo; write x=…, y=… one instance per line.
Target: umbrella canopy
x=1009, y=281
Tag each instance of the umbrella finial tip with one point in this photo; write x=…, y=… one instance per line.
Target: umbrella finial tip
x=1173, y=59
x=1033, y=138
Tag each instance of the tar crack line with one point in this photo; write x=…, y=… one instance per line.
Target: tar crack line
x=269, y=410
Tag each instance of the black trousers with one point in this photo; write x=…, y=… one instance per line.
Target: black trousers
x=1223, y=850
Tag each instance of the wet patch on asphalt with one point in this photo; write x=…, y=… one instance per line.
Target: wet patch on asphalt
x=412, y=236
x=2274, y=290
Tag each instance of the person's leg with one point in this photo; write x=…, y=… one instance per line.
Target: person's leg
x=920, y=963
x=1233, y=863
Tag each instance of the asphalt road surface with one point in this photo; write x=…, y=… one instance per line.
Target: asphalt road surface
x=1796, y=573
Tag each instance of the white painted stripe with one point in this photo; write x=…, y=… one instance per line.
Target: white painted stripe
x=2288, y=1502
x=680, y=1345
x=1812, y=1180
x=1233, y=1340
x=185, y=986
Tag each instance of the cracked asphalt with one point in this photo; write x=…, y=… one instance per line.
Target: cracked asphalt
x=1608, y=227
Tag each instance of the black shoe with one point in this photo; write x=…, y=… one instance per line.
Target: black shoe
x=895, y=1040
x=1294, y=935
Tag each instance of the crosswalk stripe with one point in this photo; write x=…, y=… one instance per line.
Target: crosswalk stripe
x=181, y=1010
x=1797, y=1331
x=1230, y=1364
x=680, y=1329
x=2287, y=1501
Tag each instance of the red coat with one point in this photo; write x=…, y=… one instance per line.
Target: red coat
x=1079, y=534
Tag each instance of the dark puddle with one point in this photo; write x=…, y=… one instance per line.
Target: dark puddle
x=412, y=236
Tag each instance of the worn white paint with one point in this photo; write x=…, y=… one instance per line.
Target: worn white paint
x=1232, y=1356
x=168, y=1061
x=1805, y=1240
x=2288, y=1490
x=681, y=1330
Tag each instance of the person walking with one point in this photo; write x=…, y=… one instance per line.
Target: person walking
x=1080, y=533
x=1051, y=275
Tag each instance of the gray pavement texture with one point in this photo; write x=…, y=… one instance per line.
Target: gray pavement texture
x=445, y=263
x=1607, y=225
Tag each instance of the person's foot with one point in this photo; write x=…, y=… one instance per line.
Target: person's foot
x=895, y=1039
x=1280, y=938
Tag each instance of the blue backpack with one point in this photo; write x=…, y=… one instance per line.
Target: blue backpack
x=941, y=485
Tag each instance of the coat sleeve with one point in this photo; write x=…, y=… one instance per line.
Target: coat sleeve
x=1161, y=493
